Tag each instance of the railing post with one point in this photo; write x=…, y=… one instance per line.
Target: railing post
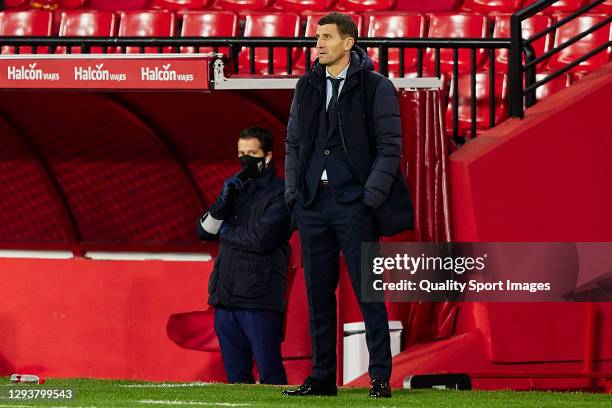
x=234, y=55
x=530, y=76
x=384, y=59
x=515, y=78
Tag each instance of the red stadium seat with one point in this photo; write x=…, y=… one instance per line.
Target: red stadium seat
x=482, y=102
x=406, y=25
x=303, y=5
x=532, y=25
x=176, y=5
x=488, y=6
x=57, y=4
x=269, y=25
x=115, y=5
x=312, y=19
x=209, y=24
x=32, y=23
x=152, y=23
x=560, y=5
x=553, y=86
x=71, y=4
x=456, y=25
x=605, y=7
x=241, y=5
x=16, y=4
x=87, y=24
x=584, y=45
x=365, y=5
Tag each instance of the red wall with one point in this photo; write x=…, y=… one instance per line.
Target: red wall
x=78, y=317
x=544, y=178
x=107, y=319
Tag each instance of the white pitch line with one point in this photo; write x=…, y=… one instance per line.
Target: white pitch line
x=168, y=385
x=199, y=403
x=71, y=406
x=18, y=406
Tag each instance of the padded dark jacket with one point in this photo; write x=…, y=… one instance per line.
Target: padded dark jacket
x=250, y=270
x=371, y=133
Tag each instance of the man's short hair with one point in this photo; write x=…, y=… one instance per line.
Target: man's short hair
x=263, y=135
x=344, y=22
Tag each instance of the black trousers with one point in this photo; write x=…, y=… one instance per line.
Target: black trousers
x=326, y=227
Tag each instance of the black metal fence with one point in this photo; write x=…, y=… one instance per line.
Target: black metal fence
x=233, y=46
x=521, y=76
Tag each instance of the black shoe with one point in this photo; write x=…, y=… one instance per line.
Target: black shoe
x=313, y=386
x=380, y=389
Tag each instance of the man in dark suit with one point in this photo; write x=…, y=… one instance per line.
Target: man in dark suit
x=343, y=151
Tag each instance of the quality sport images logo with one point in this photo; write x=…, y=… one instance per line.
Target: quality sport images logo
x=164, y=74
x=30, y=73
x=97, y=73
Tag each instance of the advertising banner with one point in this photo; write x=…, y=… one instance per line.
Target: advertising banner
x=170, y=71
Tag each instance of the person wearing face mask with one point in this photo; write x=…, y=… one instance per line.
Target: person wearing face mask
x=247, y=286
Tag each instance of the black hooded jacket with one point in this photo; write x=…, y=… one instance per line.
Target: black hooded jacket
x=370, y=128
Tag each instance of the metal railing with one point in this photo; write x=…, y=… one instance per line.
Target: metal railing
x=523, y=93
x=521, y=76
x=234, y=46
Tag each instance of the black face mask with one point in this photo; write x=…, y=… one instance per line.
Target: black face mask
x=253, y=166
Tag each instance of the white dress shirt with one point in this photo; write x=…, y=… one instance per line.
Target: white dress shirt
x=330, y=93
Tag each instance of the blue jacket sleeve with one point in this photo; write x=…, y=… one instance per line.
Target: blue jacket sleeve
x=388, y=138
x=292, y=148
x=266, y=234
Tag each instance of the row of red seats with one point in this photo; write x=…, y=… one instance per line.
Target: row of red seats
x=228, y=5
x=509, y=6
x=477, y=26
x=481, y=6
x=257, y=24
x=379, y=25
x=483, y=93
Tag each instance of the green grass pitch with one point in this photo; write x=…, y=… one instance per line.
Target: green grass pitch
x=110, y=393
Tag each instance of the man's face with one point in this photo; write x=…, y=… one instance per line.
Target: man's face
x=330, y=44
x=251, y=147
